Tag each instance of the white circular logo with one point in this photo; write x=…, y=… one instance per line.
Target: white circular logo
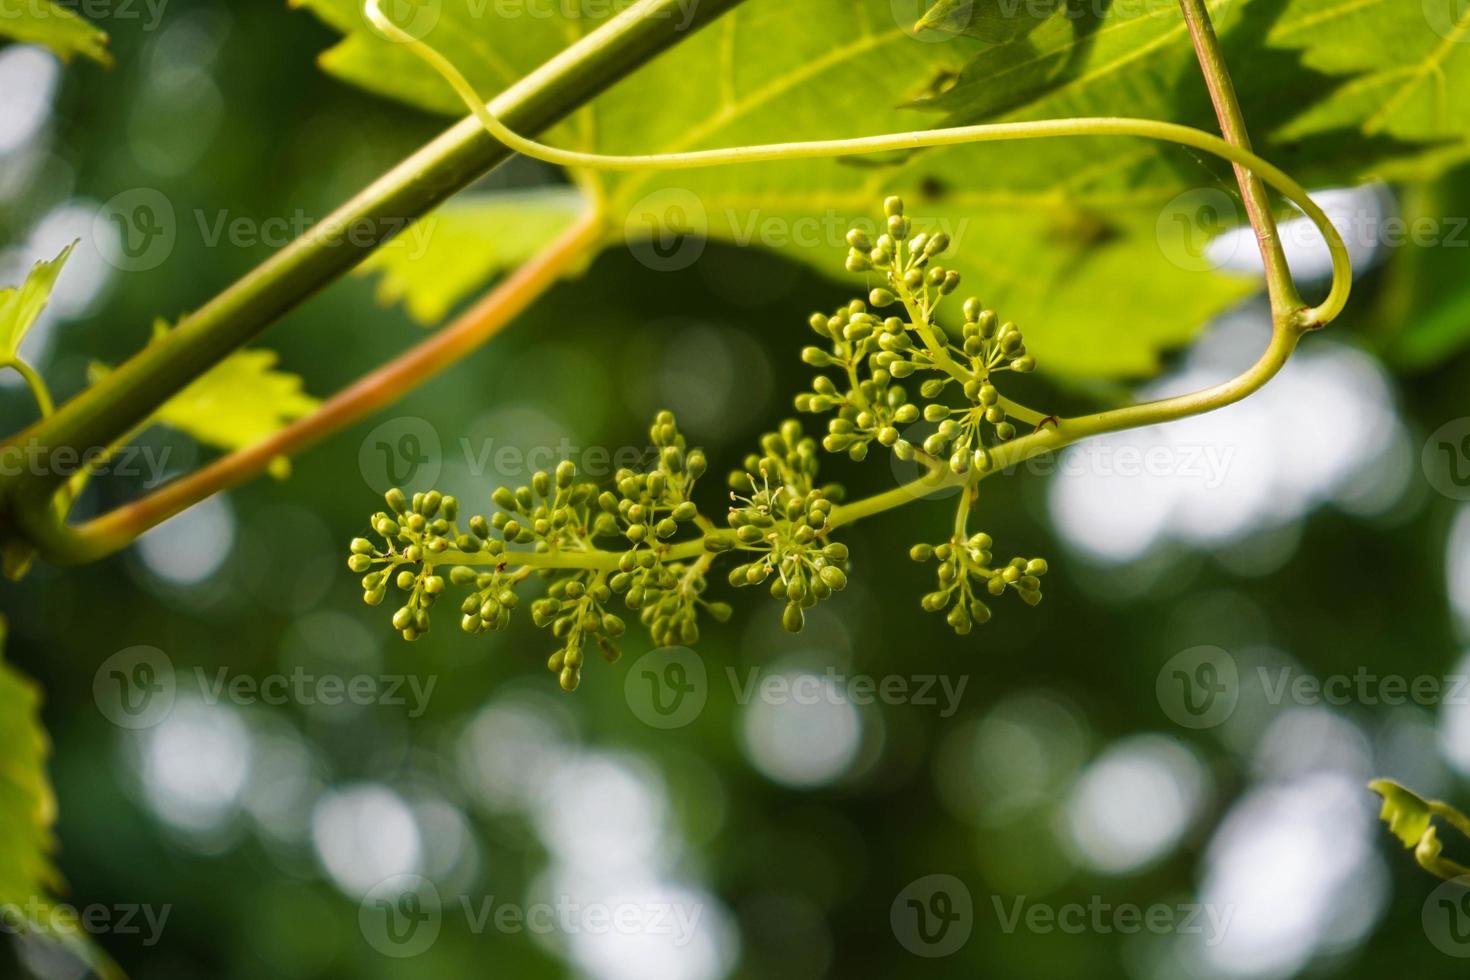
x=416, y=18
x=403, y=452
x=667, y=230
x=947, y=20
x=136, y=230
x=667, y=688
x=1447, y=18
x=1190, y=225
x=933, y=916
x=1446, y=459
x=135, y=688
x=1199, y=687
x=1446, y=917
x=401, y=916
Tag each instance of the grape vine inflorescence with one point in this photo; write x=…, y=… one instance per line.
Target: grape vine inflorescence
x=642, y=544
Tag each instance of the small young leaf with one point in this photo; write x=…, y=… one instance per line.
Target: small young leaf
x=21, y=306
x=236, y=403
x=61, y=30
x=1406, y=814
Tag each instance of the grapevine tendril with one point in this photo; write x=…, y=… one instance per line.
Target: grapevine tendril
x=1151, y=129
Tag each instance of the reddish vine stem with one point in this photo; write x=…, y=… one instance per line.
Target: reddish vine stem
x=373, y=391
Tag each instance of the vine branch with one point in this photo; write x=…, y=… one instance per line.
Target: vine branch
x=103, y=413
x=1253, y=174
x=373, y=391
x=1279, y=283
x=112, y=407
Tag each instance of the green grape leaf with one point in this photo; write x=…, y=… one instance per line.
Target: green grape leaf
x=21, y=306
x=492, y=50
x=1401, y=66
x=27, y=805
x=61, y=30
x=28, y=878
x=235, y=404
x=442, y=258
x=1064, y=237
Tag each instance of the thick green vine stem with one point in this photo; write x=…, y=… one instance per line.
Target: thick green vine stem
x=1410, y=819
x=644, y=539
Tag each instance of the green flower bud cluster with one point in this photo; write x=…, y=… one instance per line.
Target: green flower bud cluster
x=413, y=532
x=669, y=603
x=781, y=521
x=872, y=350
x=651, y=507
x=964, y=567
x=871, y=407
x=550, y=512
x=575, y=607
x=642, y=540
x=554, y=514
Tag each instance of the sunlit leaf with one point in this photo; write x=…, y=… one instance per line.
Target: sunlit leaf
x=1406, y=813
x=29, y=880
x=21, y=306
x=237, y=403
x=1409, y=818
x=61, y=30
x=1057, y=241
x=444, y=257
x=27, y=805
x=1404, y=66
